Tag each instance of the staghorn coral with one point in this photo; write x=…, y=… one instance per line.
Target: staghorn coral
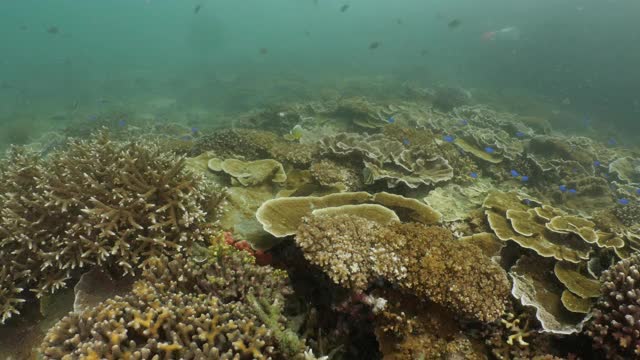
x=615, y=326
x=98, y=202
x=149, y=323
x=424, y=261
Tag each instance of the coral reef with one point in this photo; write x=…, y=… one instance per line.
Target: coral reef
x=389, y=160
x=281, y=217
x=546, y=230
x=447, y=98
x=254, y=145
x=615, y=325
x=334, y=175
x=98, y=202
x=355, y=252
x=149, y=323
x=412, y=329
x=535, y=285
x=217, y=305
x=250, y=173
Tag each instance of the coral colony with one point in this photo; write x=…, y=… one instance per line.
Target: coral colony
x=344, y=229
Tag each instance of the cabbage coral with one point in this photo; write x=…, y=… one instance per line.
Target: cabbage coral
x=98, y=202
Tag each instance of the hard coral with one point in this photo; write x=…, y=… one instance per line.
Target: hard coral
x=216, y=305
x=98, y=202
x=615, y=326
x=222, y=270
x=332, y=174
x=423, y=261
x=149, y=323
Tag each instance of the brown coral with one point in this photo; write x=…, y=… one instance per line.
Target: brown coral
x=98, y=202
x=332, y=174
x=422, y=260
x=218, y=304
x=149, y=323
x=615, y=326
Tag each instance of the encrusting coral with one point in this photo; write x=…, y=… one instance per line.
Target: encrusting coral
x=615, y=326
x=98, y=202
x=421, y=260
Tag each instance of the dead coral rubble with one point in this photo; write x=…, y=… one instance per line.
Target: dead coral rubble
x=98, y=202
x=423, y=261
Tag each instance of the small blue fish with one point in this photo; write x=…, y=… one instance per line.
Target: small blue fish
x=122, y=122
x=92, y=118
x=586, y=121
x=194, y=130
x=623, y=201
x=448, y=138
x=489, y=150
x=573, y=191
x=519, y=134
x=474, y=175
x=514, y=173
x=524, y=178
x=405, y=141
x=562, y=188
x=612, y=142
x=464, y=122
x=527, y=201
x=637, y=191
x=596, y=163
x=391, y=120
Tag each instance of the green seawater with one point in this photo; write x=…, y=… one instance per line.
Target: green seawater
x=68, y=59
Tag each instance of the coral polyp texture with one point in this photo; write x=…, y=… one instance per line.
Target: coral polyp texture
x=150, y=324
x=97, y=202
x=423, y=261
x=615, y=327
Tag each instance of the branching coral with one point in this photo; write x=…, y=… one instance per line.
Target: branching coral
x=149, y=323
x=221, y=270
x=219, y=304
x=98, y=202
x=424, y=261
x=615, y=326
